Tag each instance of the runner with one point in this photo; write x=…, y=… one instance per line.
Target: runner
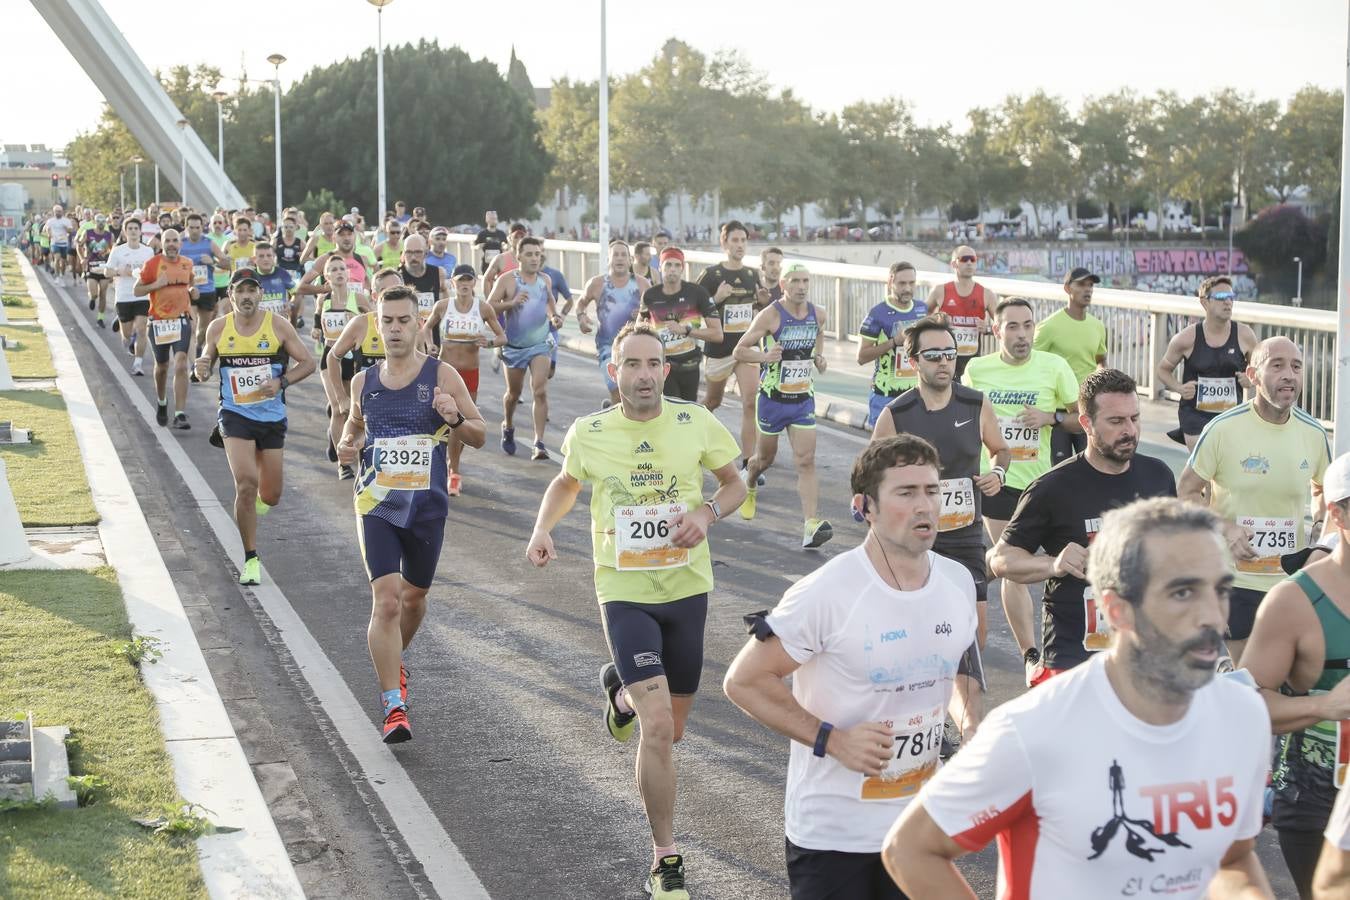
x=737, y=291
x=360, y=339
x=1081, y=340
x=465, y=324
x=1299, y=654
x=1253, y=466
x=220, y=236
x=873, y=640
x=882, y=341
x=289, y=246
x=359, y=268
x=771, y=272
x=786, y=340
x=125, y=262
x=506, y=260
x=1061, y=511
x=277, y=286
x=94, y=248
x=59, y=230
x=401, y=412
x=684, y=314
x=389, y=245
x=260, y=356
x=440, y=255
x=969, y=306
x=939, y=410
x=428, y=282
x=643, y=254
x=644, y=460
x=322, y=240
x=199, y=250
x=660, y=241
x=1031, y=390
x=239, y=248
x=1183, y=755
x=167, y=279
x=1213, y=356
x=86, y=220
x=1333, y=870
x=562, y=299
x=617, y=295
x=343, y=303
x=524, y=298
x=490, y=239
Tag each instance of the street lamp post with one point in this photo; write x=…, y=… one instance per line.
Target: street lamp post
x=602, y=213
x=276, y=59
x=182, y=161
x=1298, y=291
x=219, y=97
x=379, y=104
x=137, y=161
x=122, y=188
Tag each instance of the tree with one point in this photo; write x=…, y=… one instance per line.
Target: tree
x=1038, y=133
x=518, y=78
x=316, y=203
x=875, y=136
x=1161, y=134
x=991, y=178
x=570, y=131
x=1108, y=141
x=1310, y=132
x=1274, y=238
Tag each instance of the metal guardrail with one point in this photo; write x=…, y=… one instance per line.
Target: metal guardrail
x=1139, y=324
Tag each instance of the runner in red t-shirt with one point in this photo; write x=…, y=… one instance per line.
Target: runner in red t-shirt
x=970, y=306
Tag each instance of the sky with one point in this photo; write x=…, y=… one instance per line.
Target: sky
x=942, y=57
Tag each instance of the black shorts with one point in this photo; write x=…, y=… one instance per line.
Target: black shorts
x=1192, y=420
x=348, y=364
x=682, y=383
x=128, y=312
x=206, y=301
x=413, y=552
x=972, y=557
x=836, y=875
x=1001, y=505
x=166, y=352
x=1064, y=443
x=1242, y=604
x=265, y=435
x=91, y=276
x=651, y=639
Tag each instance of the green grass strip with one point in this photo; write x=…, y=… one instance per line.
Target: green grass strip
x=47, y=476
x=33, y=359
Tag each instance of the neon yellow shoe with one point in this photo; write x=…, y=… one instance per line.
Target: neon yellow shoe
x=251, y=573
x=748, y=505
x=620, y=725
x=815, y=533
x=667, y=882
x=261, y=507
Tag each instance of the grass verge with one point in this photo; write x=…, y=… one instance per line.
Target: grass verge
x=17, y=302
x=47, y=476
x=62, y=630
x=33, y=359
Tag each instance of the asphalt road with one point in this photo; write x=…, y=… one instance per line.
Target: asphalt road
x=510, y=751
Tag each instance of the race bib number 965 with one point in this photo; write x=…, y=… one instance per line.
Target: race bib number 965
x=642, y=537
x=247, y=382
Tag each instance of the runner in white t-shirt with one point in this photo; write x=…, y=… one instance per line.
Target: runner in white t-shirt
x=873, y=640
x=124, y=264
x=1332, y=880
x=1135, y=774
x=59, y=229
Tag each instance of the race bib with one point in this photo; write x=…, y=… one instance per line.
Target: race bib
x=490, y=255
x=1215, y=394
x=902, y=366
x=967, y=339
x=243, y=262
x=1271, y=539
x=676, y=341
x=915, y=761
x=201, y=274
x=642, y=538
x=403, y=463
x=958, y=504
x=333, y=323
x=425, y=301
x=794, y=376
x=166, y=331
x=247, y=382
x=1342, y=764
x=736, y=317
x=275, y=305
x=458, y=327
x=1023, y=440
x=1096, y=630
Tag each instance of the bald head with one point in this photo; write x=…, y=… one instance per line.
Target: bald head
x=1276, y=370
x=413, y=243
x=1273, y=347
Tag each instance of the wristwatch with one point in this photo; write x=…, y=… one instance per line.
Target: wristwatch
x=285, y=383
x=1060, y=417
x=716, y=509
x=458, y=422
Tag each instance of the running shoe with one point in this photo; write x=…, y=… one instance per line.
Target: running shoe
x=117, y=326
x=332, y=450
x=192, y=376
x=456, y=483
x=1031, y=661
x=180, y=422
x=252, y=572
x=101, y=323
x=620, y=725
x=539, y=451
x=816, y=533
x=137, y=367
x=396, y=727
x=748, y=504
x=214, y=438
x=92, y=304
x=759, y=479
x=346, y=473
x=497, y=360
x=131, y=343
x=509, y=441
x=162, y=413
x=667, y=882
x=260, y=507
x=403, y=683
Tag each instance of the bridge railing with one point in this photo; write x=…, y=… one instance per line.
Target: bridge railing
x=1139, y=324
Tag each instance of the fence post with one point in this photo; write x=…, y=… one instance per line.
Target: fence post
x=837, y=314
x=1157, y=349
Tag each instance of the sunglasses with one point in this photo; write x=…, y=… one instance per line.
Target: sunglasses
x=1222, y=295
x=966, y=258
x=938, y=355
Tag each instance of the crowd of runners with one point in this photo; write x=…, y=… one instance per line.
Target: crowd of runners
x=1187, y=685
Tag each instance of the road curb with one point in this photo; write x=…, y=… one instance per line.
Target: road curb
x=210, y=768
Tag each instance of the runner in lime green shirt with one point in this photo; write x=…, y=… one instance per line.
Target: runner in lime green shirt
x=645, y=460
x=1079, y=338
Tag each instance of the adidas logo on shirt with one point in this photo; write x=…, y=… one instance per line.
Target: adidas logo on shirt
x=644, y=447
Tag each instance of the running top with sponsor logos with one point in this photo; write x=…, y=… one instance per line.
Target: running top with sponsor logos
x=955, y=431
x=1260, y=472
x=791, y=379
x=616, y=307
x=966, y=315
x=690, y=305
x=1086, y=800
x=643, y=475
x=172, y=300
x=201, y=253
x=403, y=462
x=125, y=255
x=371, y=349
x=527, y=324
x=247, y=363
x=737, y=311
x=276, y=290
x=1080, y=343
x=97, y=246
x=1045, y=382
x=869, y=653
x=1215, y=372
x=1064, y=506
x=892, y=372
x=288, y=255
x=222, y=276
x=462, y=326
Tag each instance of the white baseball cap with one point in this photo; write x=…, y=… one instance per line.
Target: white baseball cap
x=1336, y=479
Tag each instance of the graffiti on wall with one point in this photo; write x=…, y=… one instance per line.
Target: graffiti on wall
x=1013, y=262
x=1178, y=283
x=1170, y=270
x=1188, y=261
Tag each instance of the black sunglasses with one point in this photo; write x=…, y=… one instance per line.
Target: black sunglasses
x=938, y=355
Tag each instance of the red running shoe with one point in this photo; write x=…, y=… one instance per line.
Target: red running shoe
x=396, y=727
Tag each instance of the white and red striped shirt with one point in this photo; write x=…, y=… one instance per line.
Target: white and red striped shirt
x=1086, y=800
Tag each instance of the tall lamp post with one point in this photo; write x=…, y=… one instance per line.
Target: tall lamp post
x=219, y=97
x=1298, y=291
x=137, y=161
x=379, y=104
x=276, y=59
x=602, y=214
x=182, y=160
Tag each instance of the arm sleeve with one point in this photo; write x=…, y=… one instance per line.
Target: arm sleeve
x=719, y=447
x=1204, y=459
x=573, y=464
x=799, y=622
x=870, y=327
x=706, y=307
x=985, y=789
x=1067, y=385
x=1029, y=527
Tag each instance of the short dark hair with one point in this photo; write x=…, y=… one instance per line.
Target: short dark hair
x=869, y=469
x=902, y=266
x=1210, y=283
x=642, y=327
x=733, y=225
x=1014, y=301
x=775, y=250
x=529, y=241
x=934, y=322
x=1103, y=381
x=191, y=216
x=396, y=292
x=641, y=245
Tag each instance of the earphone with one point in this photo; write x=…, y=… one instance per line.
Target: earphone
x=860, y=512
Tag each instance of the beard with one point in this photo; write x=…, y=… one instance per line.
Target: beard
x=1164, y=665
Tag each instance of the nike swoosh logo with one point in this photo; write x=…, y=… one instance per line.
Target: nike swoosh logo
x=966, y=422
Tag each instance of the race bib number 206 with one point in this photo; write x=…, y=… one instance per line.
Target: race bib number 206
x=642, y=537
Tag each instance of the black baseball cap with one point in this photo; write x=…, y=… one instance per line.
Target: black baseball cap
x=344, y=225
x=1079, y=274
x=463, y=270
x=242, y=275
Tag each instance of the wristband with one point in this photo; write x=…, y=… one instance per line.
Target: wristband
x=716, y=509
x=822, y=738
x=1001, y=472
x=284, y=383
x=458, y=422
